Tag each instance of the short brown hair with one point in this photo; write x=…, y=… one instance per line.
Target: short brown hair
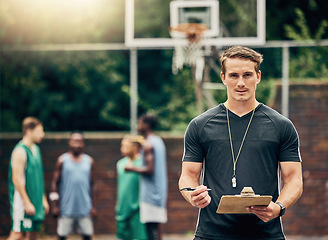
x=241, y=52
x=30, y=123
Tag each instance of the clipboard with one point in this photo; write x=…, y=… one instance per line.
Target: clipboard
x=236, y=204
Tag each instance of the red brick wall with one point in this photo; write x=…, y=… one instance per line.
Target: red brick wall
x=309, y=216
x=308, y=109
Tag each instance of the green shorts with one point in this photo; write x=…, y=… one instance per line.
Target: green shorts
x=27, y=225
x=131, y=228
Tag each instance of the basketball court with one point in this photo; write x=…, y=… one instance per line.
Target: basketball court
x=166, y=237
x=197, y=31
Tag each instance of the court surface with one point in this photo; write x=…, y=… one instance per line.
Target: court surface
x=168, y=237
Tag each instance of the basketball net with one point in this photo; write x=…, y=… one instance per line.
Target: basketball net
x=190, y=54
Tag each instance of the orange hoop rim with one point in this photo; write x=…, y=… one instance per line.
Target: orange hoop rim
x=192, y=31
x=190, y=28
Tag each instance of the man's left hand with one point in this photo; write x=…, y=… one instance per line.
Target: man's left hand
x=265, y=213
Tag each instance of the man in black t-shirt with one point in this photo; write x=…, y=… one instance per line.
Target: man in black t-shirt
x=241, y=143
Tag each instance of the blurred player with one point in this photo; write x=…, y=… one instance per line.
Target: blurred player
x=26, y=183
x=128, y=225
x=73, y=187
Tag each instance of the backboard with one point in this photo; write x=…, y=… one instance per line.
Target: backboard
x=232, y=22
x=204, y=12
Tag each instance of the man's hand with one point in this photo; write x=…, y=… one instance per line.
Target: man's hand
x=55, y=211
x=199, y=197
x=93, y=213
x=46, y=205
x=54, y=202
x=129, y=168
x=29, y=209
x=266, y=213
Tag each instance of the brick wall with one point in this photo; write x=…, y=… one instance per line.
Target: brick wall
x=308, y=109
x=309, y=216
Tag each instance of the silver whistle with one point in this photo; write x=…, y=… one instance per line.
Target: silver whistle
x=234, y=182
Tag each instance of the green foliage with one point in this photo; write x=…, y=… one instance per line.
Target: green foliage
x=152, y=18
x=170, y=97
x=181, y=108
x=280, y=13
x=90, y=91
x=303, y=32
x=239, y=17
x=312, y=61
x=65, y=90
x=265, y=91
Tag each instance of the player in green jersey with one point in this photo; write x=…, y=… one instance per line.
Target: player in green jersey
x=128, y=224
x=26, y=183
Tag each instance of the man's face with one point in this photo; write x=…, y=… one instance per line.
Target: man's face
x=240, y=79
x=126, y=146
x=76, y=143
x=142, y=127
x=37, y=134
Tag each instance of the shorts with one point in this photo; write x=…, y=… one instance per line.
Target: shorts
x=26, y=225
x=84, y=226
x=19, y=223
x=152, y=213
x=131, y=228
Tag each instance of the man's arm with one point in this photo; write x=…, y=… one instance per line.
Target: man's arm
x=18, y=168
x=54, y=195
x=290, y=193
x=293, y=183
x=148, y=152
x=190, y=175
x=93, y=190
x=45, y=204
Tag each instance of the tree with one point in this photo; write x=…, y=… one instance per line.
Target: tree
x=65, y=90
x=310, y=62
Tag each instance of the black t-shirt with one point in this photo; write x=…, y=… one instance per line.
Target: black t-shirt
x=271, y=138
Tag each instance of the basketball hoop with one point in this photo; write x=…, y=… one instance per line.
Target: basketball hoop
x=192, y=52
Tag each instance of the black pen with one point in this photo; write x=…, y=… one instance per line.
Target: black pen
x=191, y=189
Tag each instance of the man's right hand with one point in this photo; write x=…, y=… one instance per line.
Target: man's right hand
x=199, y=197
x=29, y=209
x=55, y=211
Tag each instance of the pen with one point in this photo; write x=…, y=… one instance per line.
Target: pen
x=191, y=189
